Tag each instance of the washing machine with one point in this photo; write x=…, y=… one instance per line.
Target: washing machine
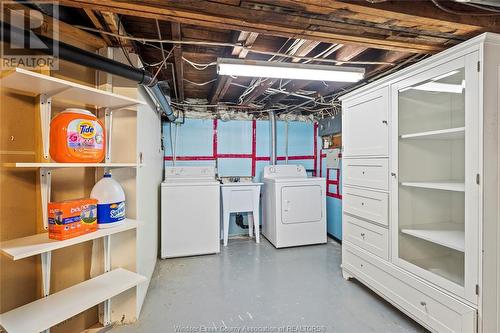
x=190, y=212
x=294, y=206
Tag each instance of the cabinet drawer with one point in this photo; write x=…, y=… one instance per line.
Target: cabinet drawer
x=366, y=172
x=365, y=128
x=431, y=307
x=367, y=204
x=366, y=235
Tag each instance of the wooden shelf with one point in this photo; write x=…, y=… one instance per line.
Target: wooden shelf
x=63, y=90
x=445, y=134
x=445, y=234
x=69, y=165
x=51, y=310
x=20, y=248
x=440, y=185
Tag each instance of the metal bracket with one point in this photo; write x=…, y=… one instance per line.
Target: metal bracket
x=108, y=124
x=107, y=268
x=45, y=111
x=46, y=258
x=45, y=184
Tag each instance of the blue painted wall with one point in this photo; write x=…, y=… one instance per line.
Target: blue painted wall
x=195, y=138
x=333, y=205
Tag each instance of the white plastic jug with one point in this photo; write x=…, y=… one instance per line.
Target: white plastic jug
x=110, y=202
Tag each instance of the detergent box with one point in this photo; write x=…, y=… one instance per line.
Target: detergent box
x=72, y=218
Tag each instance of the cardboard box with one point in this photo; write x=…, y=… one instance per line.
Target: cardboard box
x=72, y=218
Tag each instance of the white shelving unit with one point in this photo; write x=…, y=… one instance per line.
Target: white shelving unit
x=445, y=134
x=24, y=247
x=445, y=234
x=41, y=314
x=62, y=305
x=54, y=165
x=441, y=185
x=65, y=91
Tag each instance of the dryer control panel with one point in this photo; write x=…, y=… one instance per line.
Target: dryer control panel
x=285, y=171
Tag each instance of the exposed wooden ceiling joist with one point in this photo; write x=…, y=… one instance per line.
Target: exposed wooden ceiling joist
x=179, y=69
x=423, y=15
x=247, y=39
x=95, y=21
x=115, y=26
x=224, y=82
x=67, y=32
x=231, y=17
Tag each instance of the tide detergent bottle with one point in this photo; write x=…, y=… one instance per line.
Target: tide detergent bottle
x=76, y=135
x=110, y=202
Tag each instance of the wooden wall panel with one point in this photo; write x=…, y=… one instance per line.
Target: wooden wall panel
x=20, y=281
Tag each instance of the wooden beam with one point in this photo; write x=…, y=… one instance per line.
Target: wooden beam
x=67, y=33
x=424, y=17
x=349, y=52
x=115, y=26
x=223, y=16
x=223, y=83
x=179, y=69
x=95, y=21
x=305, y=47
x=247, y=39
x=388, y=56
x=220, y=88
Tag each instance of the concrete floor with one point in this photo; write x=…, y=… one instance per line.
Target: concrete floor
x=258, y=287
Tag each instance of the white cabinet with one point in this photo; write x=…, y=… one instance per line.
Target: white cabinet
x=367, y=172
x=435, y=161
x=434, y=169
x=365, y=124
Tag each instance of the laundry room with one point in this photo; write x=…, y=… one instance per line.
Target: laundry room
x=250, y=166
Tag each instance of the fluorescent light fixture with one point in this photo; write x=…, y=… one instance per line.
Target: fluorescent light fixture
x=437, y=78
x=237, y=67
x=442, y=87
x=438, y=87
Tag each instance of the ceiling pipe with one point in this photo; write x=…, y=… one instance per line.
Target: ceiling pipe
x=272, y=137
x=95, y=61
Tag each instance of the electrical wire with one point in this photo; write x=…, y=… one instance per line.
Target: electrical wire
x=481, y=7
x=451, y=11
x=199, y=84
x=199, y=66
x=147, y=41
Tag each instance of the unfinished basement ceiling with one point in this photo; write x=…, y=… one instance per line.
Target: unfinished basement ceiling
x=380, y=36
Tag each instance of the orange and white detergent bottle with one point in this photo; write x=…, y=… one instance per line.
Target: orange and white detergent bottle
x=77, y=135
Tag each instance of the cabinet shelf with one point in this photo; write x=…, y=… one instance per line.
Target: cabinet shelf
x=69, y=165
x=445, y=234
x=20, y=248
x=445, y=134
x=439, y=185
x=41, y=314
x=63, y=90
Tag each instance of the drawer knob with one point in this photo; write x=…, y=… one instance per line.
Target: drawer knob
x=362, y=204
x=363, y=172
x=363, y=235
x=423, y=303
x=384, y=122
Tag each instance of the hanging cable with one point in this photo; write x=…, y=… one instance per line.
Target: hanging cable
x=198, y=66
x=199, y=84
x=451, y=11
